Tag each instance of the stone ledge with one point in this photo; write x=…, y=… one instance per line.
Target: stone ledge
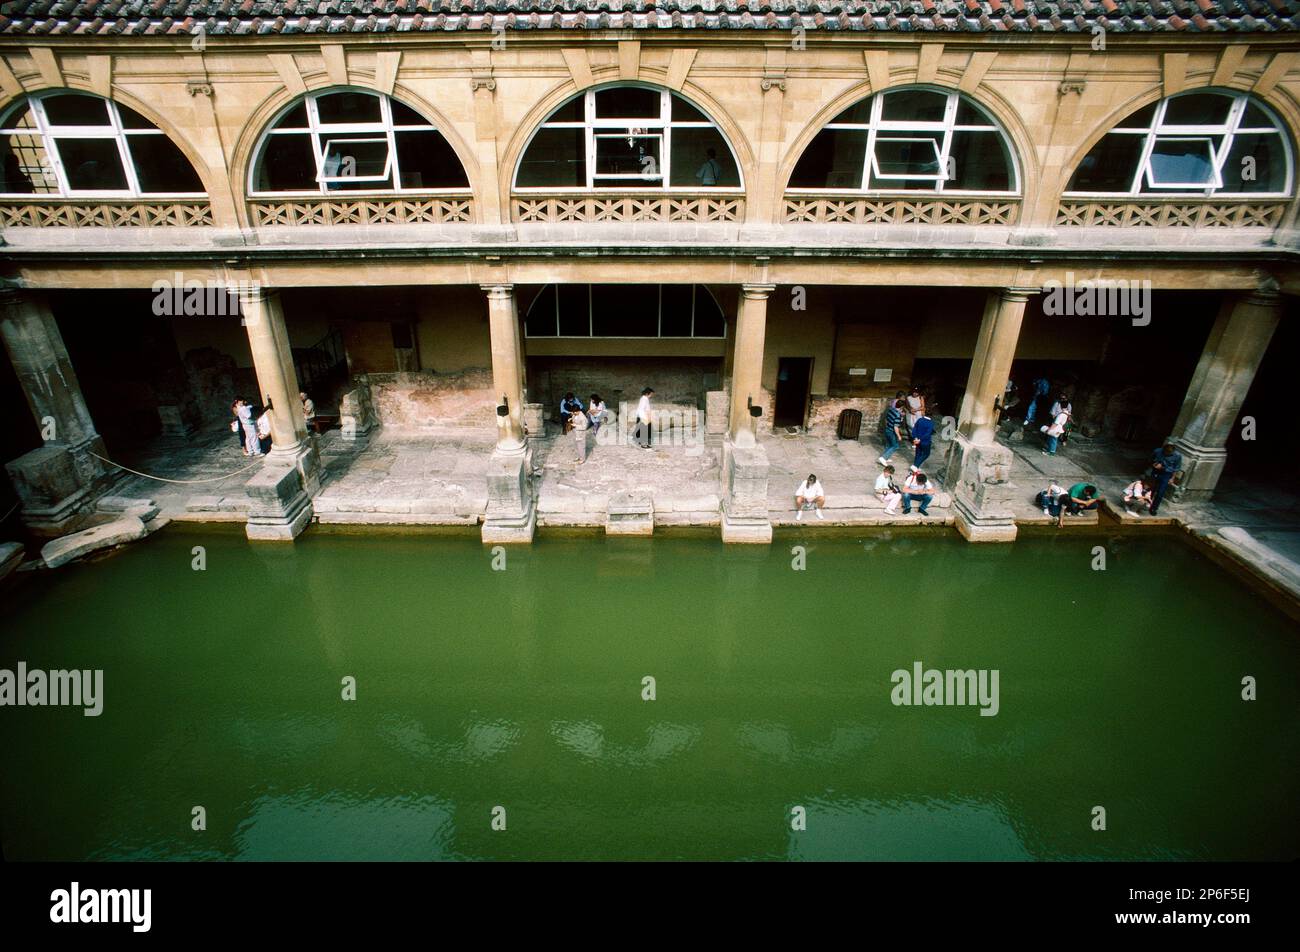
x=78, y=544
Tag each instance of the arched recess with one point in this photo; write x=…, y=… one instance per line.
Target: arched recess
x=560, y=95
x=1281, y=110
x=997, y=119
x=118, y=132
x=275, y=108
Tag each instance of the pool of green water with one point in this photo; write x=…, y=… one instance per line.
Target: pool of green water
x=523, y=687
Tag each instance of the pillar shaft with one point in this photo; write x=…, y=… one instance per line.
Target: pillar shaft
x=747, y=363
x=268, y=340
x=1223, y=376
x=995, y=349
x=507, y=361
x=41, y=363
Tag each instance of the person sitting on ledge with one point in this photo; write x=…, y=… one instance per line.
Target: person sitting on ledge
x=916, y=486
x=809, y=495
x=1082, y=496
x=887, y=491
x=1137, y=495
x=1049, y=499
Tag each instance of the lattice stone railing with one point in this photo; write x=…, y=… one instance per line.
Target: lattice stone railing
x=628, y=208
x=1170, y=213
x=900, y=211
x=107, y=213
x=363, y=211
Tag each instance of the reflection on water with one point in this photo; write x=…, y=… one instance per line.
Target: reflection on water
x=522, y=689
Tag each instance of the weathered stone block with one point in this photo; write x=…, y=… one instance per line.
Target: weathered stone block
x=50, y=487
x=118, y=532
x=279, y=506
x=630, y=513
x=510, y=515
x=11, y=556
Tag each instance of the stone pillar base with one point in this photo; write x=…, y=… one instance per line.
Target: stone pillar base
x=511, y=516
x=305, y=458
x=54, y=491
x=745, y=517
x=281, y=508
x=534, y=420
x=977, y=475
x=1202, y=467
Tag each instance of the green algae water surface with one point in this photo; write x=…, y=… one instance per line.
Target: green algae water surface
x=524, y=687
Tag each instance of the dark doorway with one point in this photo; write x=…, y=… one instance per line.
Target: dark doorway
x=793, y=376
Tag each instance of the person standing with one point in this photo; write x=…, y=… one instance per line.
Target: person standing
x=252, y=446
x=809, y=493
x=916, y=487
x=922, y=434
x=642, y=432
x=264, y=431
x=1054, y=431
x=1041, y=388
x=596, y=413
x=710, y=171
x=1165, y=464
x=236, y=427
x=893, y=429
x=579, y=422
x=308, y=410
x=915, y=406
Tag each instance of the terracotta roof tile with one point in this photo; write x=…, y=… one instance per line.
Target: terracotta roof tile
x=270, y=17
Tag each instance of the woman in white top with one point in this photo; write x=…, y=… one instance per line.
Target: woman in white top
x=809, y=493
x=886, y=490
x=578, y=420
x=915, y=406
x=596, y=412
x=252, y=446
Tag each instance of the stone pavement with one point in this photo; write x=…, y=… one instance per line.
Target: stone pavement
x=682, y=482
x=398, y=477
x=211, y=468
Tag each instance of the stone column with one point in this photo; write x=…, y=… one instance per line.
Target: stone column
x=1223, y=376
x=60, y=481
x=744, y=462
x=978, y=467
x=281, y=493
x=511, y=514
x=747, y=365
x=507, y=362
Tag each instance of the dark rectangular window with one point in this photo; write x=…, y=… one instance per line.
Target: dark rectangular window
x=555, y=158
x=540, y=319
x=575, y=312
x=625, y=310
x=675, y=319
x=92, y=164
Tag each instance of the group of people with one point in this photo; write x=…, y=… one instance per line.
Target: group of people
x=1146, y=492
x=916, y=488
x=252, y=424
x=581, y=420
x=907, y=419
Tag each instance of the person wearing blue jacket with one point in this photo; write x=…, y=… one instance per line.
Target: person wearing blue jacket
x=1042, y=386
x=922, y=435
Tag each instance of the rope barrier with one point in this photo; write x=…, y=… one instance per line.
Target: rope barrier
x=12, y=510
x=163, y=479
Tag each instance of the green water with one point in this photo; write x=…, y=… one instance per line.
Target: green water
x=523, y=688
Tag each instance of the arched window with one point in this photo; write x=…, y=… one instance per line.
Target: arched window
x=625, y=310
x=351, y=140
x=1199, y=143
x=628, y=137
x=75, y=144
x=914, y=139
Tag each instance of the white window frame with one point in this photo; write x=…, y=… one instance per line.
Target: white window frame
x=1143, y=184
x=49, y=133
x=1216, y=163
x=947, y=127
x=319, y=133
x=591, y=320
x=596, y=127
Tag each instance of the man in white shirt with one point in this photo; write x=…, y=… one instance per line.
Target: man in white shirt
x=886, y=490
x=916, y=487
x=809, y=493
x=642, y=432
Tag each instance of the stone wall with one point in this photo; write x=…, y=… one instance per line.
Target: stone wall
x=824, y=414
x=425, y=399
x=679, y=382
